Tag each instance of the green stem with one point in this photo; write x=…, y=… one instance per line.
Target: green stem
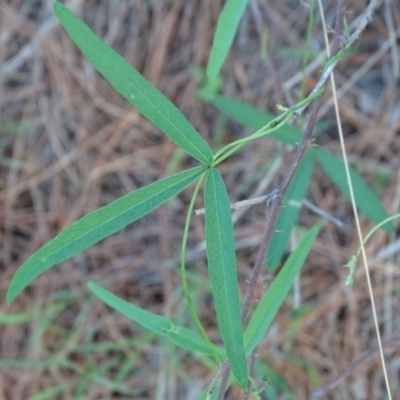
x=354, y=260
x=272, y=126
x=265, y=130
x=183, y=269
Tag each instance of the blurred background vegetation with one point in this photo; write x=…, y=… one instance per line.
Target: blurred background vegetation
x=70, y=144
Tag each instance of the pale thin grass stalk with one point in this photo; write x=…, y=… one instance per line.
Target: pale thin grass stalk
x=364, y=255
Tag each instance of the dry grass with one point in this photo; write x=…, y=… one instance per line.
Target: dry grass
x=70, y=144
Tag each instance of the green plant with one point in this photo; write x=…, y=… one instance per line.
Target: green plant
x=219, y=230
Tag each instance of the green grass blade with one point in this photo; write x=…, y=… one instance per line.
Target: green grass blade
x=277, y=292
x=290, y=210
x=254, y=118
x=99, y=224
x=227, y=24
x=220, y=243
x=51, y=393
x=158, y=324
x=150, y=102
x=366, y=200
x=10, y=319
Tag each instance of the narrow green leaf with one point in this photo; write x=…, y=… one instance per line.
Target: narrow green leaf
x=290, y=210
x=220, y=243
x=150, y=102
x=254, y=118
x=277, y=292
x=98, y=225
x=227, y=24
x=158, y=324
x=366, y=200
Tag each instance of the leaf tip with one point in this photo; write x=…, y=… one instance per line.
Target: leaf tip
x=243, y=381
x=12, y=292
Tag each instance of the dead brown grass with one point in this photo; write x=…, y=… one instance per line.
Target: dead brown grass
x=70, y=144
